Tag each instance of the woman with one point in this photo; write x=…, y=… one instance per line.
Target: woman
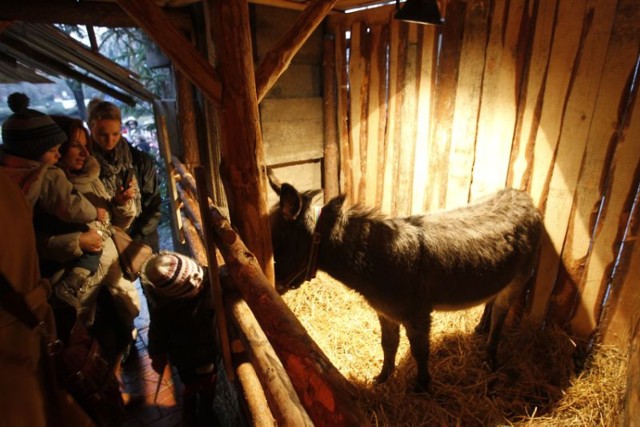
x=116, y=156
x=83, y=171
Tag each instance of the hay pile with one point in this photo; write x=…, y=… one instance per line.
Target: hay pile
x=536, y=384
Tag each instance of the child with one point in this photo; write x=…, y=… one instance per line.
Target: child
x=29, y=153
x=181, y=330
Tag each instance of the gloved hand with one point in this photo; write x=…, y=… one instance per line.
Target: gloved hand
x=158, y=362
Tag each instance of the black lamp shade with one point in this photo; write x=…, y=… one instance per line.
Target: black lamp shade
x=420, y=12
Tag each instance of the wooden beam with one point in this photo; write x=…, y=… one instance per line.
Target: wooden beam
x=214, y=273
x=49, y=65
x=254, y=395
x=187, y=120
x=331, y=170
x=326, y=395
x=277, y=60
x=71, y=12
x=285, y=405
x=155, y=22
x=54, y=43
x=632, y=398
x=242, y=152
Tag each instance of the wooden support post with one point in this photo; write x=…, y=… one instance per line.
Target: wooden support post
x=285, y=405
x=190, y=207
x=214, y=277
x=187, y=120
x=242, y=153
x=194, y=241
x=187, y=179
x=254, y=395
x=277, y=60
x=326, y=395
x=331, y=150
x=152, y=19
x=165, y=152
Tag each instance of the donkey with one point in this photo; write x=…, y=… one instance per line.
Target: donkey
x=406, y=267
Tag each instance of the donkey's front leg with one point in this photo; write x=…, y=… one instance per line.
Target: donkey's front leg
x=390, y=332
x=418, y=335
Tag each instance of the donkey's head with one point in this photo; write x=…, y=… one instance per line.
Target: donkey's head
x=292, y=223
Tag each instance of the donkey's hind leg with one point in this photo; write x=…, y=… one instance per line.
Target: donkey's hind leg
x=499, y=309
x=390, y=334
x=485, y=321
x=418, y=335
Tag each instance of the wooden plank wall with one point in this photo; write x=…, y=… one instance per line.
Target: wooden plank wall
x=537, y=95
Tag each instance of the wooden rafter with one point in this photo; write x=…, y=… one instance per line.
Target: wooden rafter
x=278, y=59
x=35, y=59
x=154, y=21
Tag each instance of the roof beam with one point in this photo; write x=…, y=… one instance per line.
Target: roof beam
x=153, y=20
x=72, y=12
x=277, y=60
x=37, y=60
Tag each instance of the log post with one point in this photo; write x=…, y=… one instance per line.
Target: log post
x=326, y=395
x=214, y=276
x=187, y=120
x=155, y=22
x=254, y=395
x=331, y=151
x=194, y=241
x=186, y=178
x=242, y=154
x=285, y=405
x=277, y=60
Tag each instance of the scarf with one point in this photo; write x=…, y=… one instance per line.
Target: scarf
x=113, y=166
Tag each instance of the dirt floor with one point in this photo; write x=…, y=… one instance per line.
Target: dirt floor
x=537, y=383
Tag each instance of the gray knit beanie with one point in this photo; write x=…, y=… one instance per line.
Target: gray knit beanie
x=29, y=133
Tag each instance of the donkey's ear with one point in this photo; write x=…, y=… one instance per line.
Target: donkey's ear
x=290, y=202
x=313, y=194
x=274, y=182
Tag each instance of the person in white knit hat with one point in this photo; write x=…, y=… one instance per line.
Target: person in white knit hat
x=181, y=330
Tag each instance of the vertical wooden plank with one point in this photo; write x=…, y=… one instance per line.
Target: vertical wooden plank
x=389, y=192
x=540, y=16
x=496, y=123
x=357, y=70
x=621, y=313
x=618, y=67
x=632, y=399
x=446, y=84
x=382, y=64
x=620, y=193
x=331, y=161
x=397, y=98
x=346, y=181
x=578, y=114
x=376, y=114
x=406, y=132
x=467, y=104
x=427, y=61
x=560, y=72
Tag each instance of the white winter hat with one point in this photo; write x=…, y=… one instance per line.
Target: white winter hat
x=173, y=275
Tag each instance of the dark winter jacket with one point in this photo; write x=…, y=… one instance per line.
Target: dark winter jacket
x=145, y=225
x=183, y=329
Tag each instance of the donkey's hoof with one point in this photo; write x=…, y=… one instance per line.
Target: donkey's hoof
x=382, y=377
